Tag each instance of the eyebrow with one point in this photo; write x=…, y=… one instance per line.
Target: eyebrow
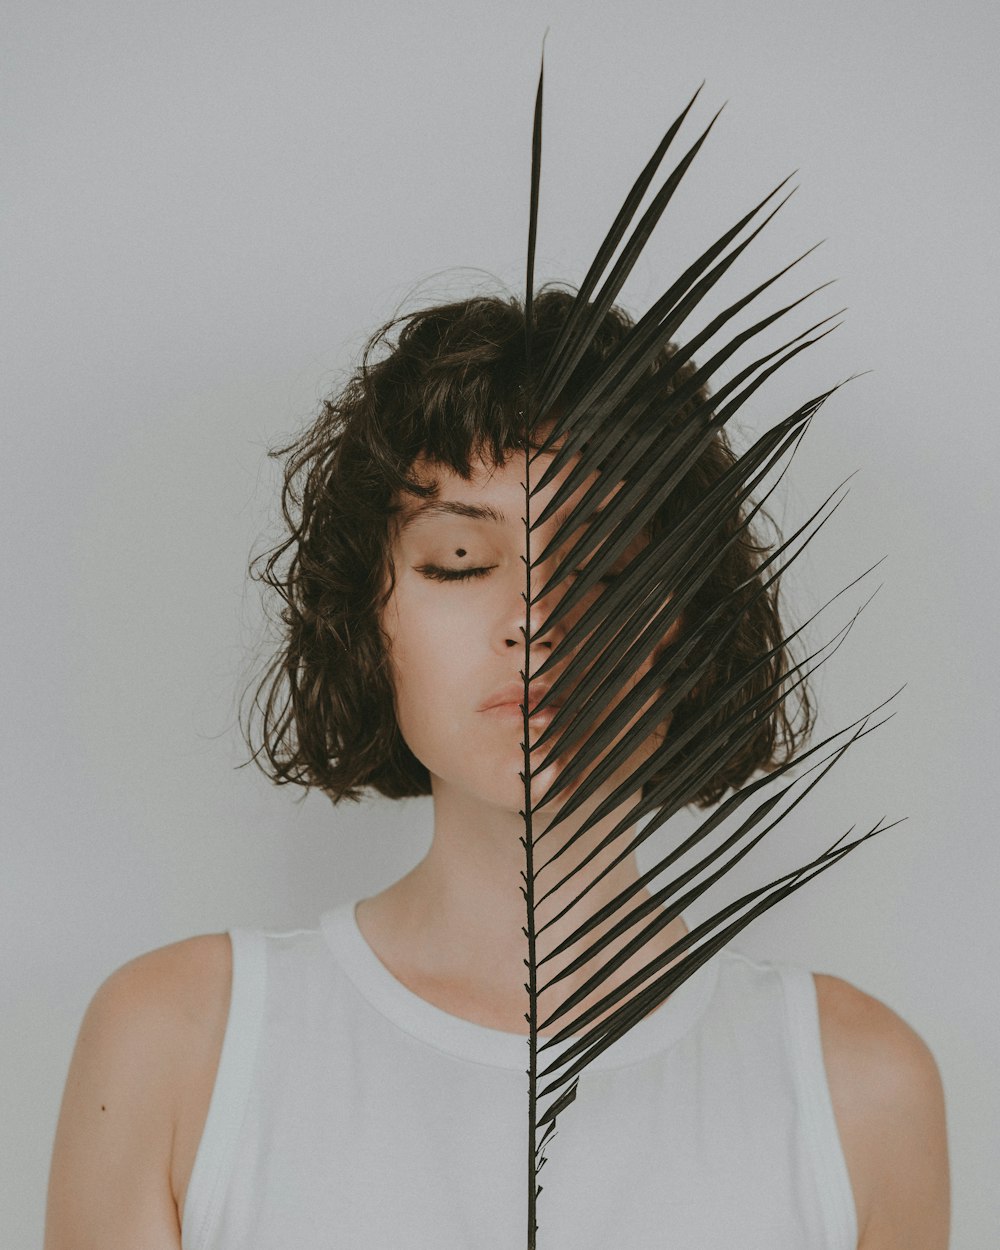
x=447, y=507
x=471, y=511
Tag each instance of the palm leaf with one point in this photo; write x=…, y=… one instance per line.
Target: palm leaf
x=614, y=453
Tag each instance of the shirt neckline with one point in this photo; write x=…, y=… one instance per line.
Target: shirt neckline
x=655, y=1033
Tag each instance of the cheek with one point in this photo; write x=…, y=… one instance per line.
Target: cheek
x=422, y=695
x=428, y=664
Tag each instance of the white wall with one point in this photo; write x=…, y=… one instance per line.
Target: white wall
x=207, y=208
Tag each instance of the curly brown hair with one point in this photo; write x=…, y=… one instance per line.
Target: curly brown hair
x=449, y=385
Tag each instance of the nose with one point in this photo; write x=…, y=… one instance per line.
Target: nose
x=544, y=636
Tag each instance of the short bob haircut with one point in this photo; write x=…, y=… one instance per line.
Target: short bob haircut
x=448, y=383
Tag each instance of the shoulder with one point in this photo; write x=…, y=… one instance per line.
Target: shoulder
x=181, y=981
x=145, y=1053
x=145, y=1017
x=154, y=1013
x=889, y=1104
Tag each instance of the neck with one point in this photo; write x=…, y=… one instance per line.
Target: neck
x=456, y=919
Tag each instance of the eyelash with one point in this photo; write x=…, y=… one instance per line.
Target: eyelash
x=438, y=574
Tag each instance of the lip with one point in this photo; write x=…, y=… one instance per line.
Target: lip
x=511, y=712
x=508, y=700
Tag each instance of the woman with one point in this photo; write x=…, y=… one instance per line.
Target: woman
x=363, y=1083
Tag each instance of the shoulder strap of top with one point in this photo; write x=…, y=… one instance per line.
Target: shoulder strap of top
x=819, y=1121
x=217, y=1148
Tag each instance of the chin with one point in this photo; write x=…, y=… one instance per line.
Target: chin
x=488, y=773
x=492, y=783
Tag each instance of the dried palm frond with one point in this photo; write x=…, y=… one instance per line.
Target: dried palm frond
x=615, y=594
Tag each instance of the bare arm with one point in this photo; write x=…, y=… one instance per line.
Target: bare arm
x=135, y=1099
x=890, y=1110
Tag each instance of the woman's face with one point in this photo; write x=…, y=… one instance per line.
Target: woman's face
x=455, y=623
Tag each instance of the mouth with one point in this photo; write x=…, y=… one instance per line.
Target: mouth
x=506, y=704
x=514, y=711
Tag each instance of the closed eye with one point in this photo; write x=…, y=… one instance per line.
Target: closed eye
x=439, y=574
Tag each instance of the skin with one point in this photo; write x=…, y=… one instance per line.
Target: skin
x=142, y=1072
x=452, y=926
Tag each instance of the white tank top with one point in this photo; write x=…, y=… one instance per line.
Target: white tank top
x=350, y=1114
